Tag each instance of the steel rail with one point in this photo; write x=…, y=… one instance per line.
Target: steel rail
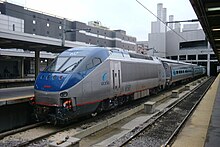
x=177, y=130
x=25, y=143
x=11, y=132
x=158, y=116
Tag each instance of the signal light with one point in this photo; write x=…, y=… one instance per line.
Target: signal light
x=32, y=100
x=68, y=104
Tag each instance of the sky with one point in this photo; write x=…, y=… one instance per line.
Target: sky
x=127, y=15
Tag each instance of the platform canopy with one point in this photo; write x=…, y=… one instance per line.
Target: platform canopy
x=208, y=13
x=12, y=39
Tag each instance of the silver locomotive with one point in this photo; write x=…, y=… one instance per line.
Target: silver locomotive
x=87, y=80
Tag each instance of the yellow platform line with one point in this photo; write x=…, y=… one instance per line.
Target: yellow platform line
x=195, y=131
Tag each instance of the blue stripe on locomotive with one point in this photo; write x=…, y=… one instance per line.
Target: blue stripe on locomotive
x=47, y=81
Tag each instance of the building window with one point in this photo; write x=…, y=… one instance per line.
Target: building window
x=191, y=57
x=202, y=63
x=13, y=27
x=194, y=44
x=34, y=16
x=202, y=57
x=34, y=21
x=48, y=19
x=48, y=25
x=174, y=57
x=182, y=57
x=48, y=32
x=213, y=57
x=34, y=30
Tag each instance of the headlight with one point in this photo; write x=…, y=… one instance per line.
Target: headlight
x=67, y=103
x=64, y=94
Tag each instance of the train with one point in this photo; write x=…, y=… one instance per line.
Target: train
x=88, y=80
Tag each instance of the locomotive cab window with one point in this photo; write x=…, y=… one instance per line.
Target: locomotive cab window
x=64, y=64
x=95, y=61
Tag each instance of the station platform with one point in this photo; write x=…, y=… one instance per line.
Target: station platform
x=15, y=108
x=203, y=127
x=15, y=95
x=18, y=82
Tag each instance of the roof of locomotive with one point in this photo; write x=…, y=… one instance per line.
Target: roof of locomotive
x=84, y=51
x=105, y=52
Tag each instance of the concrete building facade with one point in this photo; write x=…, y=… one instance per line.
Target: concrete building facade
x=20, y=63
x=158, y=30
x=40, y=23
x=187, y=44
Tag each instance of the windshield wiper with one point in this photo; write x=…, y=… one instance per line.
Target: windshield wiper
x=70, y=66
x=76, y=63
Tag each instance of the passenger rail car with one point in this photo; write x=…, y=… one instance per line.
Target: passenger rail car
x=180, y=71
x=198, y=71
x=82, y=81
x=177, y=71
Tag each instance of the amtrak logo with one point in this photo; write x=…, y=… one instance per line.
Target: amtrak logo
x=105, y=79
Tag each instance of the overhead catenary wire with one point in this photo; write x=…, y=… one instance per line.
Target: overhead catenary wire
x=161, y=21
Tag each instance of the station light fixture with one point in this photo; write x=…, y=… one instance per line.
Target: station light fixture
x=217, y=29
x=214, y=9
x=218, y=39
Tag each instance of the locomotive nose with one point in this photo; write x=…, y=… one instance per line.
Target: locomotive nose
x=50, y=81
x=56, y=81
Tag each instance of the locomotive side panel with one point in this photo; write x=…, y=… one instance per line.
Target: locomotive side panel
x=93, y=88
x=138, y=77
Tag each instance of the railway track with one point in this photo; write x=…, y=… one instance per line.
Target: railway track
x=163, y=128
x=37, y=135
x=29, y=134
x=22, y=129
